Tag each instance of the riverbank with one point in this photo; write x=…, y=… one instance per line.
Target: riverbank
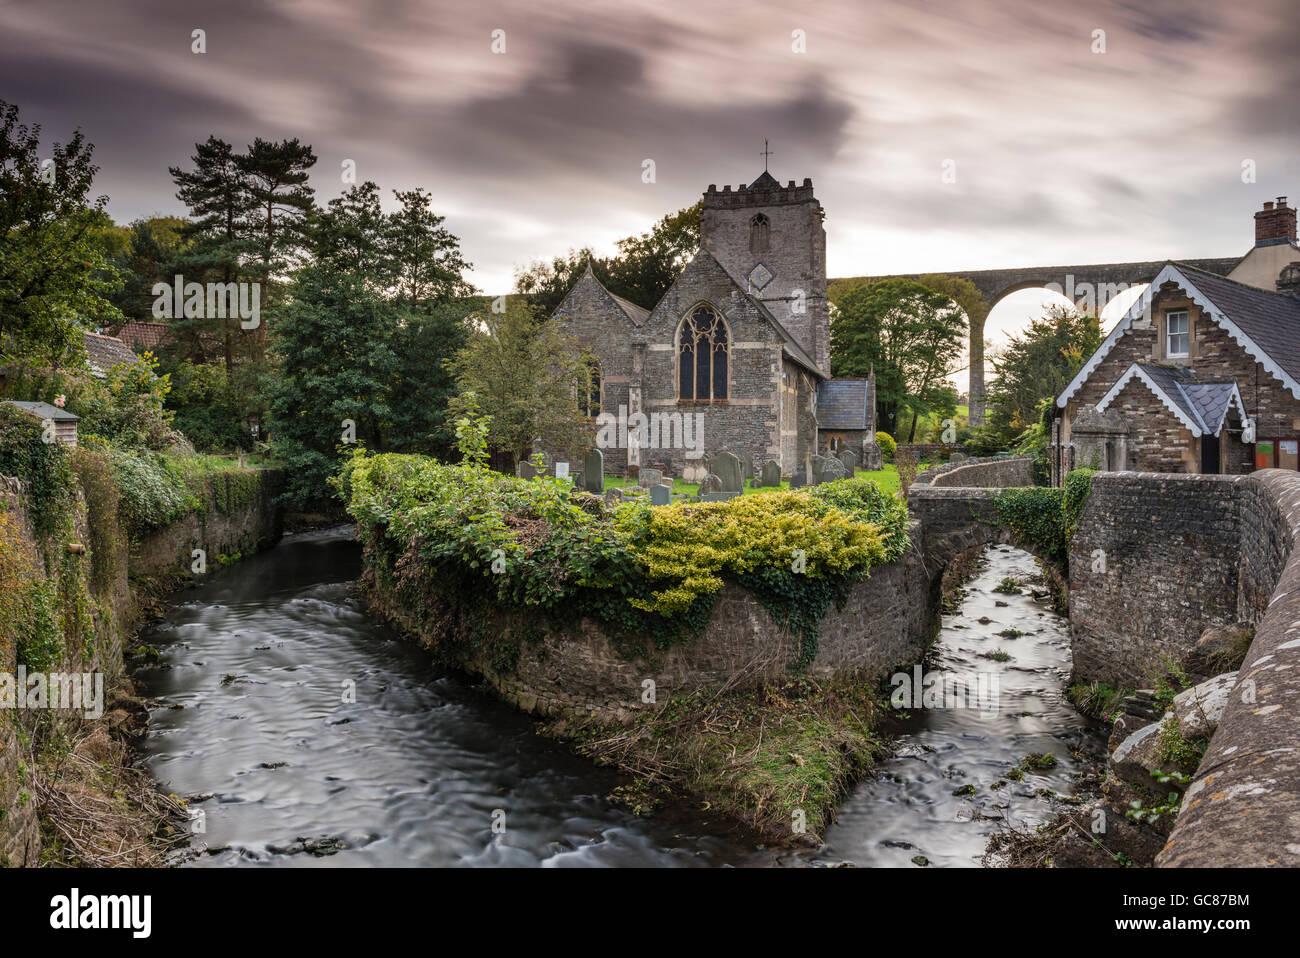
x=93, y=540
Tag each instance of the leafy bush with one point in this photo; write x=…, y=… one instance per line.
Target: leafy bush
x=473, y=535
x=152, y=496
x=29, y=633
x=207, y=408
x=887, y=444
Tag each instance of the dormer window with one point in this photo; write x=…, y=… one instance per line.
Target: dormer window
x=1177, y=335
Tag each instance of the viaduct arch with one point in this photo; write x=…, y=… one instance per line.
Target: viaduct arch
x=996, y=284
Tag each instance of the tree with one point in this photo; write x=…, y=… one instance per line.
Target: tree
x=216, y=240
x=526, y=375
x=424, y=386
x=641, y=272
x=153, y=247
x=1036, y=365
x=55, y=273
x=427, y=264
x=334, y=345
x=275, y=179
x=910, y=335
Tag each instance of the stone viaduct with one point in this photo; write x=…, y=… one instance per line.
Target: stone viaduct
x=996, y=284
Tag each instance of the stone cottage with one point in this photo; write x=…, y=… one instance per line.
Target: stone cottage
x=735, y=355
x=1202, y=375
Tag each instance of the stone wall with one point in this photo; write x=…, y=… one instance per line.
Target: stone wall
x=1242, y=809
x=989, y=472
x=1166, y=571
x=887, y=622
x=143, y=568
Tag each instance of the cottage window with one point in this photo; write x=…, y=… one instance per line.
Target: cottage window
x=1177, y=326
x=702, y=357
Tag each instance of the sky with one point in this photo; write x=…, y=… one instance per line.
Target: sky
x=938, y=135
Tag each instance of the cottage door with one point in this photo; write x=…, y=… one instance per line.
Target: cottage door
x=1209, y=455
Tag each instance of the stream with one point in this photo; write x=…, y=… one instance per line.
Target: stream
x=303, y=733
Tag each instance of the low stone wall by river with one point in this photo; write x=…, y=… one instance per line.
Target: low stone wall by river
x=140, y=569
x=886, y=622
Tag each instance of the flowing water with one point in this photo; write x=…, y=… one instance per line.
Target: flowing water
x=256, y=727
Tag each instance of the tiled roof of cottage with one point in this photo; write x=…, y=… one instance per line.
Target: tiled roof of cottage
x=144, y=335
x=842, y=404
x=105, y=352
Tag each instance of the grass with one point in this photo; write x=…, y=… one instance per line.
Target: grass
x=776, y=758
x=886, y=479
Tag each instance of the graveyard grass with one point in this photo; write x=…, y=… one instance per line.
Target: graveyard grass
x=886, y=479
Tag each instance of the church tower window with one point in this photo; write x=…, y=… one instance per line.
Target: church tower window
x=702, y=357
x=760, y=230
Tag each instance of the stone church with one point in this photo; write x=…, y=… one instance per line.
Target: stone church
x=736, y=355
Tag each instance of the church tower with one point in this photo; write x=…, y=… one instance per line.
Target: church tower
x=771, y=240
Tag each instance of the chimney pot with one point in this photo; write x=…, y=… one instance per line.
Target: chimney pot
x=1275, y=224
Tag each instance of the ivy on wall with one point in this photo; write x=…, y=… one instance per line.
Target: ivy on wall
x=1046, y=517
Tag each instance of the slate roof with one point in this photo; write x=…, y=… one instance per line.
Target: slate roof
x=1201, y=405
x=633, y=311
x=842, y=404
x=1264, y=323
x=1271, y=320
x=105, y=352
x=43, y=410
x=766, y=181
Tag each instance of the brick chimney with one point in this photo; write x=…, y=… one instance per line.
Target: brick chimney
x=1275, y=225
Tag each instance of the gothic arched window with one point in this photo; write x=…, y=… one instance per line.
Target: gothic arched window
x=702, y=356
x=589, y=391
x=759, y=234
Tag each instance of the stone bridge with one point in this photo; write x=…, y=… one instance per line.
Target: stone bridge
x=1103, y=279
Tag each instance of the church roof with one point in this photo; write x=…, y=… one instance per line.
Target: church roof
x=633, y=311
x=635, y=314
x=842, y=404
x=764, y=182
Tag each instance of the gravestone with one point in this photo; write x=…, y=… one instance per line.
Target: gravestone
x=872, y=457
x=593, y=472
x=849, y=461
x=526, y=470
x=661, y=495
x=561, y=470
x=748, y=465
x=613, y=496
x=634, y=471
x=710, y=483
x=649, y=478
x=771, y=474
x=728, y=470
x=799, y=479
x=665, y=469
x=832, y=469
x=816, y=465
x=717, y=496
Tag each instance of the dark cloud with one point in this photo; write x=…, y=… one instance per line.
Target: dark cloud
x=1063, y=155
